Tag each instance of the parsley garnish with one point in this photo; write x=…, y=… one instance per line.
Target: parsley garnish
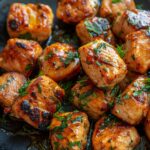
x=120, y=51
x=77, y=119
x=39, y=88
x=85, y=95
x=72, y=144
x=97, y=27
x=50, y=54
x=71, y=56
x=98, y=49
x=115, y=90
x=116, y=1
x=59, y=136
x=28, y=67
x=22, y=91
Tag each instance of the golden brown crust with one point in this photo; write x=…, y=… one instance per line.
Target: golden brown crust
x=41, y=99
x=130, y=22
x=60, y=61
x=111, y=10
x=10, y=84
x=33, y=21
x=69, y=131
x=111, y=134
x=137, y=48
x=102, y=64
x=147, y=125
x=132, y=105
x=87, y=97
x=73, y=11
x=20, y=56
x=100, y=29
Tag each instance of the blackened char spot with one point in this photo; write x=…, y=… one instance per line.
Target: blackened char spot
x=21, y=45
x=13, y=25
x=25, y=106
x=43, y=125
x=34, y=114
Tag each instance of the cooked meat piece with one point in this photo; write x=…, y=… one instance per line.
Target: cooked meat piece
x=95, y=28
x=102, y=63
x=147, y=125
x=112, y=8
x=69, y=131
x=137, y=49
x=10, y=83
x=110, y=133
x=130, y=22
x=60, y=61
x=132, y=105
x=38, y=101
x=87, y=97
x=73, y=11
x=31, y=21
x=20, y=56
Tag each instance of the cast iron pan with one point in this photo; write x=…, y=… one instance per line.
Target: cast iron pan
x=16, y=135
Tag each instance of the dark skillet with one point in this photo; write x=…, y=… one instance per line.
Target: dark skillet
x=15, y=135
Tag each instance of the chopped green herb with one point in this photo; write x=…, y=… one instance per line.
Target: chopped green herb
x=22, y=91
x=137, y=93
x=98, y=63
x=78, y=119
x=28, y=67
x=139, y=6
x=39, y=88
x=59, y=136
x=83, y=81
x=120, y=51
x=72, y=144
x=71, y=56
x=50, y=54
x=115, y=90
x=126, y=96
x=98, y=49
x=27, y=36
x=116, y=1
x=98, y=27
x=85, y=95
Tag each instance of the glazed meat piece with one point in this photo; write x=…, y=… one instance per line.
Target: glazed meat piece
x=113, y=8
x=132, y=105
x=38, y=100
x=137, y=49
x=94, y=28
x=111, y=134
x=73, y=11
x=20, y=56
x=87, y=97
x=69, y=131
x=102, y=64
x=31, y=21
x=147, y=124
x=60, y=61
x=10, y=83
x=130, y=22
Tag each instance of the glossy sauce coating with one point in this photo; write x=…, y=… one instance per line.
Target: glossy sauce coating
x=73, y=11
x=10, y=83
x=111, y=10
x=31, y=21
x=69, y=131
x=60, y=61
x=20, y=55
x=102, y=64
x=87, y=97
x=132, y=105
x=130, y=22
x=95, y=28
x=110, y=133
x=39, y=101
x=137, y=49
